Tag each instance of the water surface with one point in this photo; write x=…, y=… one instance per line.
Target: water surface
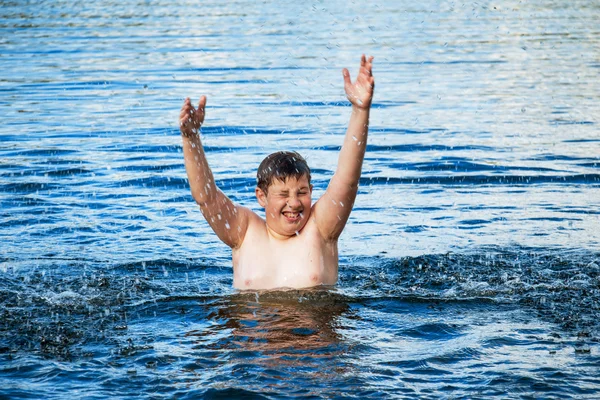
x=469, y=267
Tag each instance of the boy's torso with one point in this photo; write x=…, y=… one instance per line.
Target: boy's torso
x=263, y=262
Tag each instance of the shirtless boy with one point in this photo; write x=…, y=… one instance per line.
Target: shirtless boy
x=297, y=245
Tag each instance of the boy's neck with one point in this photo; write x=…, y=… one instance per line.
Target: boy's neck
x=279, y=236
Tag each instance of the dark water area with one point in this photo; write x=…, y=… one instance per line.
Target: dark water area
x=470, y=266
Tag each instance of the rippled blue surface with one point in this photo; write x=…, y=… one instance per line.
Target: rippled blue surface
x=470, y=265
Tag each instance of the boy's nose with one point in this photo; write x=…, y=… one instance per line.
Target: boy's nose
x=293, y=202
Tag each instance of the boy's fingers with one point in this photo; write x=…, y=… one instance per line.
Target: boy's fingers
x=202, y=103
x=186, y=106
x=184, y=112
x=368, y=65
x=346, y=75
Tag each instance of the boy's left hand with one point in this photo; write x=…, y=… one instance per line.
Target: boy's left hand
x=360, y=93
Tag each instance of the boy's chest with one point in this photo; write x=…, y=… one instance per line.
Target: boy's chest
x=299, y=262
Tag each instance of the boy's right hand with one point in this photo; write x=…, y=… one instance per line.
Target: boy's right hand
x=190, y=118
x=360, y=93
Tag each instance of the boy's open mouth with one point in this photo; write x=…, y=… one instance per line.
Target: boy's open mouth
x=292, y=216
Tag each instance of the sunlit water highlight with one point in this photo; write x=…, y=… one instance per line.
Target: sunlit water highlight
x=470, y=265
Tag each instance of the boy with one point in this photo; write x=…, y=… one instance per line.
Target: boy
x=296, y=246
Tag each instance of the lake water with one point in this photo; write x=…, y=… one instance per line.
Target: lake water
x=470, y=267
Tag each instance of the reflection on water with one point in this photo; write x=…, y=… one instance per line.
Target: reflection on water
x=279, y=326
x=277, y=335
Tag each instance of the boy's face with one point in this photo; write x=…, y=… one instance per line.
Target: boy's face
x=287, y=205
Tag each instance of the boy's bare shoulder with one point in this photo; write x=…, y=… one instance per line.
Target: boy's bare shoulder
x=254, y=220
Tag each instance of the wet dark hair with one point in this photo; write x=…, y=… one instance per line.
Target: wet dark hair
x=281, y=165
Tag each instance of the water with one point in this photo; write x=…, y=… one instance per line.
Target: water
x=469, y=267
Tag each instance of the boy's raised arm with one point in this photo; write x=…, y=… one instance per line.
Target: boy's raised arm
x=228, y=220
x=333, y=209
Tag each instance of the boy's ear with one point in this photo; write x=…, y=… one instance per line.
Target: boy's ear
x=261, y=197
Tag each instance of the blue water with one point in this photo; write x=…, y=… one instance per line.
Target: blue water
x=470, y=267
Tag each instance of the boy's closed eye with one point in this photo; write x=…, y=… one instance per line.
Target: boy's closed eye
x=287, y=194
